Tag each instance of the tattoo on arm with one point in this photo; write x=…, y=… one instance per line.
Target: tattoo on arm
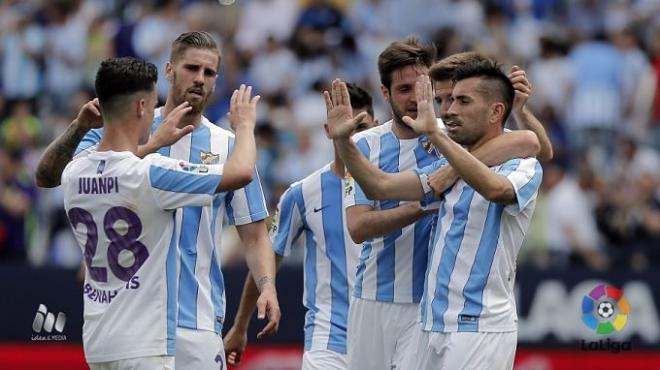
x=57, y=156
x=263, y=281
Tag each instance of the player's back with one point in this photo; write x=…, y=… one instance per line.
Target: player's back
x=121, y=210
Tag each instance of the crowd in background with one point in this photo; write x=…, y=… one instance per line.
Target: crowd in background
x=594, y=66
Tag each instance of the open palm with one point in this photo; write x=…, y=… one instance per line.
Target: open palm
x=426, y=122
x=341, y=122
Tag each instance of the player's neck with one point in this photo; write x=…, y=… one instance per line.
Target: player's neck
x=488, y=136
x=118, y=138
x=402, y=131
x=194, y=119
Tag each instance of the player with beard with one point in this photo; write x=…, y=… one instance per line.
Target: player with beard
x=192, y=73
x=384, y=309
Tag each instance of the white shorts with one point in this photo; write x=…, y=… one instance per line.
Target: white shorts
x=465, y=350
x=138, y=363
x=199, y=350
x=322, y=359
x=381, y=335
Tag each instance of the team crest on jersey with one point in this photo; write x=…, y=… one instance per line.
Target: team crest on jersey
x=209, y=158
x=189, y=167
x=348, y=186
x=272, y=225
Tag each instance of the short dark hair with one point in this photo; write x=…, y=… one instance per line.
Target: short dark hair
x=403, y=53
x=494, y=86
x=118, y=77
x=194, y=39
x=360, y=98
x=444, y=69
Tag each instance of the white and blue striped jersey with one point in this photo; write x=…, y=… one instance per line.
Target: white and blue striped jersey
x=311, y=211
x=472, y=266
x=392, y=268
x=121, y=209
x=201, y=285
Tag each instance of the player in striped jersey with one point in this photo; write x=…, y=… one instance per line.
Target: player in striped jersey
x=390, y=277
x=192, y=73
x=468, y=312
x=130, y=287
x=311, y=213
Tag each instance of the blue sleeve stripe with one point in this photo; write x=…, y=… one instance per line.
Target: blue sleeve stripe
x=282, y=237
x=254, y=195
x=180, y=182
x=90, y=139
x=525, y=193
x=363, y=146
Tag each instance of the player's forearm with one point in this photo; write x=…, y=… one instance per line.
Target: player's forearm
x=364, y=172
x=373, y=224
x=240, y=166
x=527, y=120
x=249, y=298
x=248, y=304
x=57, y=155
x=490, y=185
x=515, y=144
x=260, y=259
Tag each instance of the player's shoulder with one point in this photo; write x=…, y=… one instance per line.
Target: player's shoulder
x=216, y=130
x=374, y=133
x=314, y=177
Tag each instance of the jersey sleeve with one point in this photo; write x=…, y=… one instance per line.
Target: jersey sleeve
x=175, y=183
x=248, y=204
x=525, y=175
x=287, y=224
x=91, y=138
x=423, y=175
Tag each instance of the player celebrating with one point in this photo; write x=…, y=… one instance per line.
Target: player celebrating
x=192, y=73
x=121, y=209
x=468, y=310
x=312, y=210
x=390, y=279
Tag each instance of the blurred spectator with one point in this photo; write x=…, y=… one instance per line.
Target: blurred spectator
x=17, y=199
x=66, y=50
x=22, y=45
x=264, y=19
x=153, y=37
x=22, y=129
x=570, y=226
x=595, y=108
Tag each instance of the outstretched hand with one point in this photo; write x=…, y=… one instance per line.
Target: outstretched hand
x=426, y=122
x=243, y=108
x=341, y=123
x=169, y=132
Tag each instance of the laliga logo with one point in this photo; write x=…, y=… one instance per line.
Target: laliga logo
x=605, y=309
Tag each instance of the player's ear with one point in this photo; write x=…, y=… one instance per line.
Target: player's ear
x=169, y=71
x=385, y=92
x=141, y=107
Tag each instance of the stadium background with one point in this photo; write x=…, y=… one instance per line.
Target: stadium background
x=594, y=65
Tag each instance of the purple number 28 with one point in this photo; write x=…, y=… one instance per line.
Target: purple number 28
x=118, y=242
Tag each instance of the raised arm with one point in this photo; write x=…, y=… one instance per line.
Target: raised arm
x=524, y=117
x=239, y=168
x=365, y=223
x=60, y=152
x=375, y=183
x=489, y=184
